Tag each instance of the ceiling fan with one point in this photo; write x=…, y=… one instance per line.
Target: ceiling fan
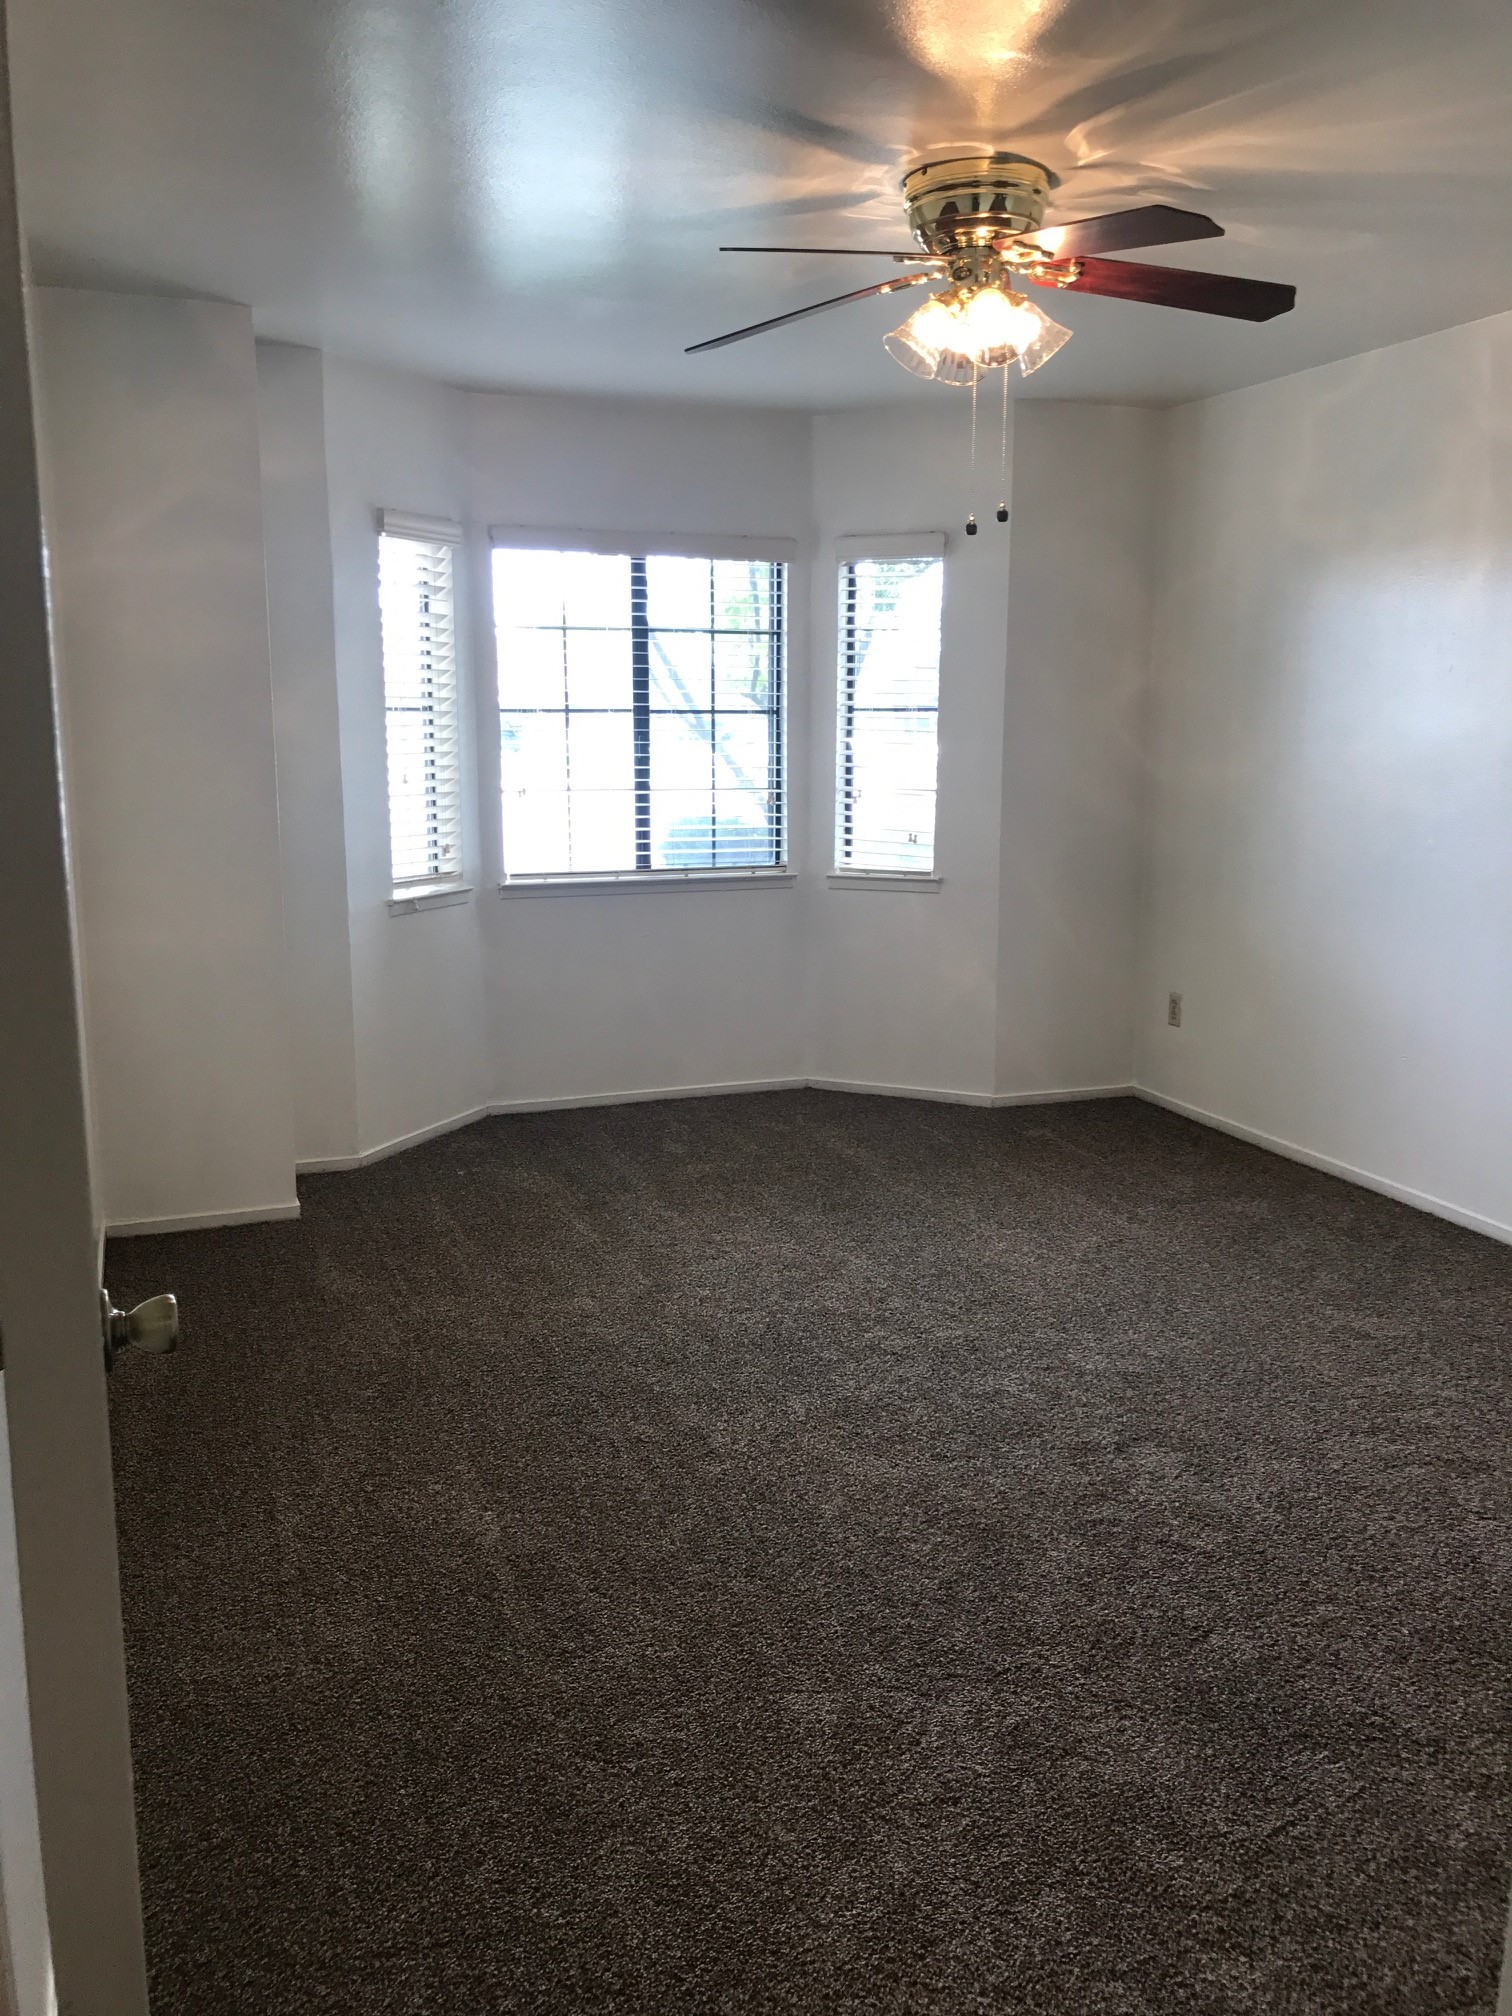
x=979, y=223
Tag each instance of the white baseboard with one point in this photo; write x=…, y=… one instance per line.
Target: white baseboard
x=199, y=1221
x=649, y=1093
x=319, y=1165
x=944, y=1095
x=322, y=1164
x=568, y=1102
x=1474, y=1221
x=1067, y=1094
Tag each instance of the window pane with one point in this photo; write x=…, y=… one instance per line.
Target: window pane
x=596, y=590
x=892, y=829
x=743, y=753
x=530, y=586
x=598, y=669
x=537, y=831
x=416, y=611
x=896, y=666
x=409, y=822
x=743, y=671
x=533, y=752
x=681, y=753
x=898, y=594
x=600, y=753
x=743, y=834
x=889, y=679
x=603, y=668
x=678, y=593
x=603, y=831
x=743, y=594
x=532, y=668
x=895, y=752
x=681, y=674
x=682, y=829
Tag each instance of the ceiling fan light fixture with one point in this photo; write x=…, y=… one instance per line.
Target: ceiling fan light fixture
x=959, y=334
x=1037, y=336
x=919, y=343
x=979, y=220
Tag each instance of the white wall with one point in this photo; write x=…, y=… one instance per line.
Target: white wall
x=903, y=984
x=307, y=740
x=403, y=1022
x=1322, y=861
x=1331, y=827
x=638, y=990
x=575, y=996
x=1079, y=605
x=151, y=484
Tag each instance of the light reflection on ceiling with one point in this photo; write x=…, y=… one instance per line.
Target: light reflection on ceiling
x=530, y=192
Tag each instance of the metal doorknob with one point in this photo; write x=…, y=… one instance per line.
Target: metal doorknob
x=152, y=1325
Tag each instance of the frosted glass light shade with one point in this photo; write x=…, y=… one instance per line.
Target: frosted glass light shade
x=1036, y=336
x=953, y=338
x=918, y=343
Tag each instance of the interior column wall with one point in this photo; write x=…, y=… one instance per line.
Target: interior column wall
x=152, y=494
x=307, y=740
x=902, y=984
x=1079, y=607
x=418, y=998
x=1331, y=819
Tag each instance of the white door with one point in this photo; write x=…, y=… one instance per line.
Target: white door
x=54, y=1379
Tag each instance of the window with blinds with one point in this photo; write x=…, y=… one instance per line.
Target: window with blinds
x=640, y=712
x=889, y=696
x=417, y=603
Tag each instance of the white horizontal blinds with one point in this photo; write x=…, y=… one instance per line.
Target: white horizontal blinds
x=418, y=606
x=640, y=711
x=889, y=692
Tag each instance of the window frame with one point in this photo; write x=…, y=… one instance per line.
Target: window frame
x=437, y=887
x=848, y=551
x=633, y=546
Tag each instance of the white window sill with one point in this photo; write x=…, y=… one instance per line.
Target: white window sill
x=649, y=878
x=877, y=878
x=406, y=902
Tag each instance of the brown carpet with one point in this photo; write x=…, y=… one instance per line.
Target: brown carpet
x=802, y=1553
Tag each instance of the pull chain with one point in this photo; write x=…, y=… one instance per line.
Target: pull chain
x=1002, y=510
x=971, y=524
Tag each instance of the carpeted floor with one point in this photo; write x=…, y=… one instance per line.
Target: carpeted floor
x=802, y=1553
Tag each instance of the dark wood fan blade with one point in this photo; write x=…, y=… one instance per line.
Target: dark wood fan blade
x=831, y=251
x=1174, y=287
x=1122, y=231
x=815, y=308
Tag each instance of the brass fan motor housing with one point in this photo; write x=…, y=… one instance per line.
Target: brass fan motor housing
x=972, y=201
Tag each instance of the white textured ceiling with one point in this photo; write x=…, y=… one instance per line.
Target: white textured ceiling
x=529, y=193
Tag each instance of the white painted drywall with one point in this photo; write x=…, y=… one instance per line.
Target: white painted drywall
x=1330, y=879
x=307, y=741
x=150, y=451
x=1079, y=602
x=630, y=991
x=902, y=987
x=417, y=980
